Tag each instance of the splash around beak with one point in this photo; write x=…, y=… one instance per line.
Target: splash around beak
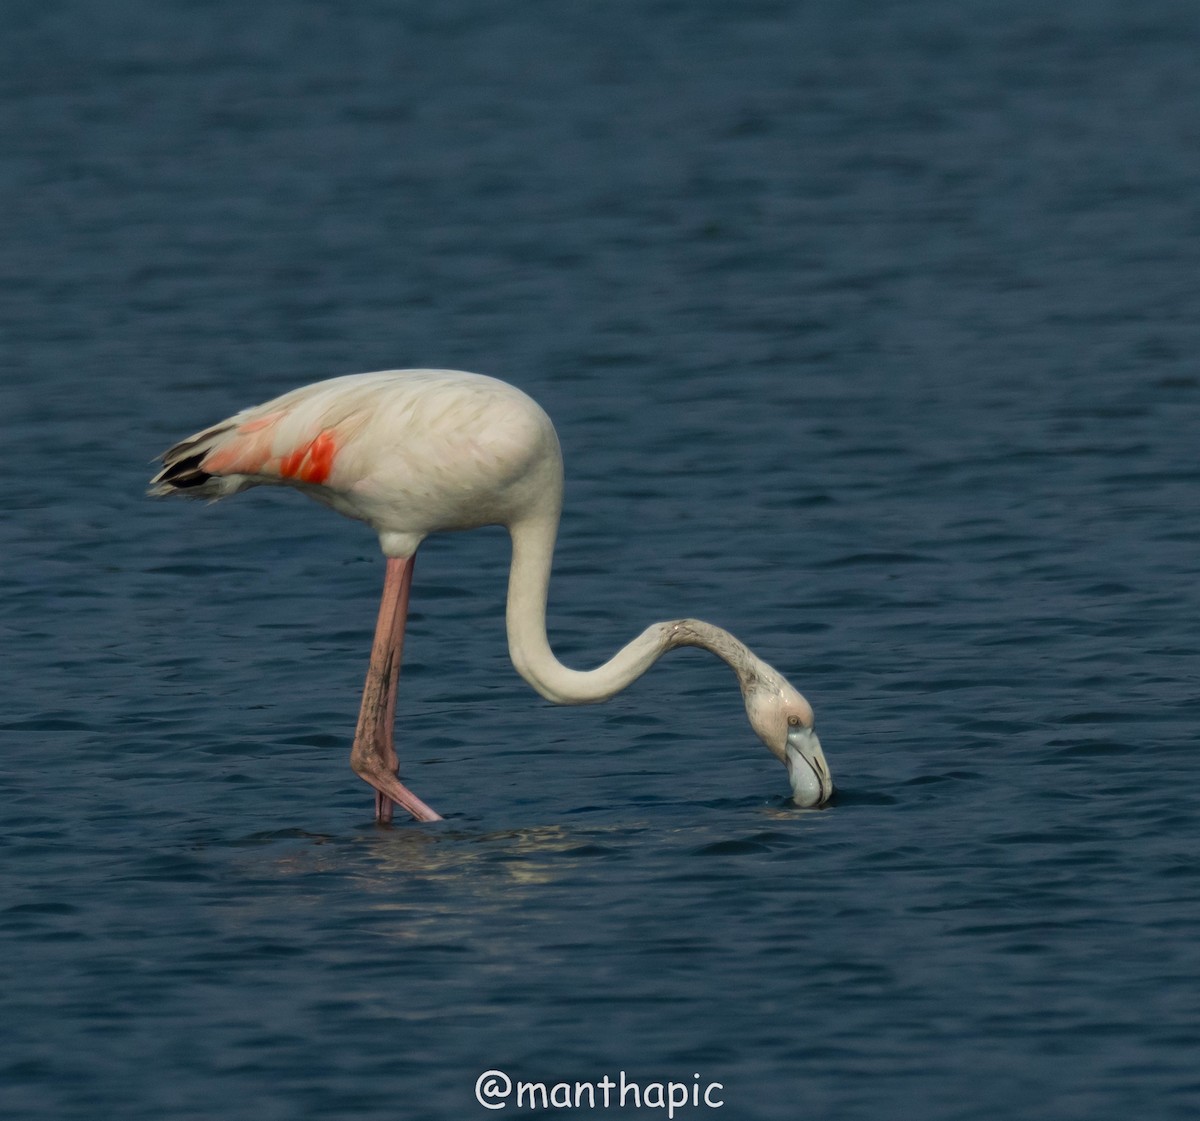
x=812, y=784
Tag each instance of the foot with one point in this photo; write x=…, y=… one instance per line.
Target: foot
x=391, y=792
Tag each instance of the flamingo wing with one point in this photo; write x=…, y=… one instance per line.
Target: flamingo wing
x=294, y=439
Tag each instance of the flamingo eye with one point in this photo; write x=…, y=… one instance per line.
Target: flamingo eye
x=794, y=721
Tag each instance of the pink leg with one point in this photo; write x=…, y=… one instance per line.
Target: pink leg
x=373, y=755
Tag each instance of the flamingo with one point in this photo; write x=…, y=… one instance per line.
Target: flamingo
x=414, y=452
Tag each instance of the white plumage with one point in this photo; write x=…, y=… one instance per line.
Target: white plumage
x=415, y=452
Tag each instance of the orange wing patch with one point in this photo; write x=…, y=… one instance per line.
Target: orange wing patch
x=245, y=452
x=312, y=462
x=249, y=453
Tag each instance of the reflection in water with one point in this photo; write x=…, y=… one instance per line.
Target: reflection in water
x=426, y=876
x=385, y=860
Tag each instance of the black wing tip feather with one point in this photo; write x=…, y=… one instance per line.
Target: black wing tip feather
x=180, y=475
x=181, y=472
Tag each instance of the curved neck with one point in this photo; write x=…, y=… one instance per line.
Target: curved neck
x=528, y=583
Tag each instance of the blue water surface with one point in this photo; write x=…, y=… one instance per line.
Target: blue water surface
x=869, y=329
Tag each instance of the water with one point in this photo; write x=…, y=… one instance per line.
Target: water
x=869, y=332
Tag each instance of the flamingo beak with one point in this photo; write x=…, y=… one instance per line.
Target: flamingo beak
x=812, y=784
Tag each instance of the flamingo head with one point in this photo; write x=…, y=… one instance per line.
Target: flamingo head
x=783, y=720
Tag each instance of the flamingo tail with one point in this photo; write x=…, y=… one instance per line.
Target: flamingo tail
x=182, y=471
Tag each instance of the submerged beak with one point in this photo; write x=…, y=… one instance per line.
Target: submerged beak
x=812, y=784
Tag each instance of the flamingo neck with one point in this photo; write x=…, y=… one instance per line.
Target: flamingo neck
x=529, y=647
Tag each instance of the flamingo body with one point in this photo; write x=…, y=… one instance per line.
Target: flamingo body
x=409, y=452
x=415, y=452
